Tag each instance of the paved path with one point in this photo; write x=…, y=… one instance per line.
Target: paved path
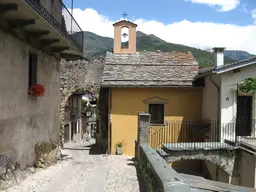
x=81, y=171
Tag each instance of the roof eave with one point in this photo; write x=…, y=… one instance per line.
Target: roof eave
x=227, y=68
x=149, y=86
x=234, y=66
x=204, y=74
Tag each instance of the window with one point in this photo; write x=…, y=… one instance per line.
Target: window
x=32, y=70
x=125, y=37
x=157, y=113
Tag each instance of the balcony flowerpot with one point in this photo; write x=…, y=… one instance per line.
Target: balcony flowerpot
x=37, y=90
x=119, y=148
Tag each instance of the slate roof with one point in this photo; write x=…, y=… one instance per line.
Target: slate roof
x=149, y=69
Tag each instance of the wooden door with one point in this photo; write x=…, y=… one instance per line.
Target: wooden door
x=244, y=116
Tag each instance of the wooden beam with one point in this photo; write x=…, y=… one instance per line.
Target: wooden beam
x=20, y=23
x=4, y=8
x=37, y=34
x=46, y=42
x=57, y=49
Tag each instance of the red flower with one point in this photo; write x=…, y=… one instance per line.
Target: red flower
x=37, y=90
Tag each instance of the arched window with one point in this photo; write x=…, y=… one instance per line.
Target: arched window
x=124, y=37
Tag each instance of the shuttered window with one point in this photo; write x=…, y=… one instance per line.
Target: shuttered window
x=157, y=113
x=32, y=79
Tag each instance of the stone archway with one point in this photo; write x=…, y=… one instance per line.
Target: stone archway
x=79, y=75
x=225, y=159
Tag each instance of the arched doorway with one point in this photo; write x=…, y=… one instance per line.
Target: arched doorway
x=77, y=76
x=80, y=115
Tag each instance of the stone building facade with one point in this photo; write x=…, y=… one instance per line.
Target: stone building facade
x=24, y=120
x=78, y=76
x=32, y=41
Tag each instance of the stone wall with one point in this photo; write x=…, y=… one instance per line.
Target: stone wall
x=223, y=158
x=78, y=76
x=157, y=174
x=226, y=159
x=25, y=121
x=103, y=119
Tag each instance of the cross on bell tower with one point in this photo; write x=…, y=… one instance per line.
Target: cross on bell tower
x=124, y=14
x=124, y=36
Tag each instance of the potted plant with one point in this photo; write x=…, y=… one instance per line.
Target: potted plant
x=247, y=87
x=119, y=148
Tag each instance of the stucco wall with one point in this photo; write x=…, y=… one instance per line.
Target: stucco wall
x=210, y=98
x=26, y=121
x=247, y=170
x=229, y=98
x=184, y=103
x=54, y=8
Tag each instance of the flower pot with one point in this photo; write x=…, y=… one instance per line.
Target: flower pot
x=119, y=150
x=250, y=93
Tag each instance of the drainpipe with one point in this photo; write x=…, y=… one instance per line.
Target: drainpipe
x=110, y=120
x=218, y=119
x=218, y=107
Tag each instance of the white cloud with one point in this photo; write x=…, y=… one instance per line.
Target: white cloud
x=254, y=15
x=202, y=35
x=245, y=8
x=225, y=5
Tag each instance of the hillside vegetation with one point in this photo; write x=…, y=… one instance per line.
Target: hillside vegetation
x=96, y=46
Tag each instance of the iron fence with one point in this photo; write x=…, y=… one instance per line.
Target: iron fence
x=201, y=133
x=61, y=19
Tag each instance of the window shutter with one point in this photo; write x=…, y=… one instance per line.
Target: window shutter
x=157, y=113
x=32, y=69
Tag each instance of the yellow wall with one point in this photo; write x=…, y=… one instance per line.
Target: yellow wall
x=184, y=103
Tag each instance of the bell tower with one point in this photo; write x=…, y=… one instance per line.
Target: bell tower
x=124, y=37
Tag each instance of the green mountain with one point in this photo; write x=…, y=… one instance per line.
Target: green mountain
x=96, y=46
x=238, y=55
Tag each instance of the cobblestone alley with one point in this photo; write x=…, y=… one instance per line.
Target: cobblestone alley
x=83, y=170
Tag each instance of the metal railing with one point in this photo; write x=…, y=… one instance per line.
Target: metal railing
x=61, y=19
x=210, y=132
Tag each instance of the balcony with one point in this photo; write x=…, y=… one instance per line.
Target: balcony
x=45, y=25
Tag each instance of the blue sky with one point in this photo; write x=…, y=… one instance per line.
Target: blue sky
x=168, y=11
x=172, y=16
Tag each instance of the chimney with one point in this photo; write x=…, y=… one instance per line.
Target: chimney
x=219, y=56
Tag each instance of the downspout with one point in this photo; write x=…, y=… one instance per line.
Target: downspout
x=110, y=120
x=218, y=119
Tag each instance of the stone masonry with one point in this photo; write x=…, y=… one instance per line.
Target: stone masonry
x=224, y=158
x=143, y=131
x=156, y=173
x=79, y=75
